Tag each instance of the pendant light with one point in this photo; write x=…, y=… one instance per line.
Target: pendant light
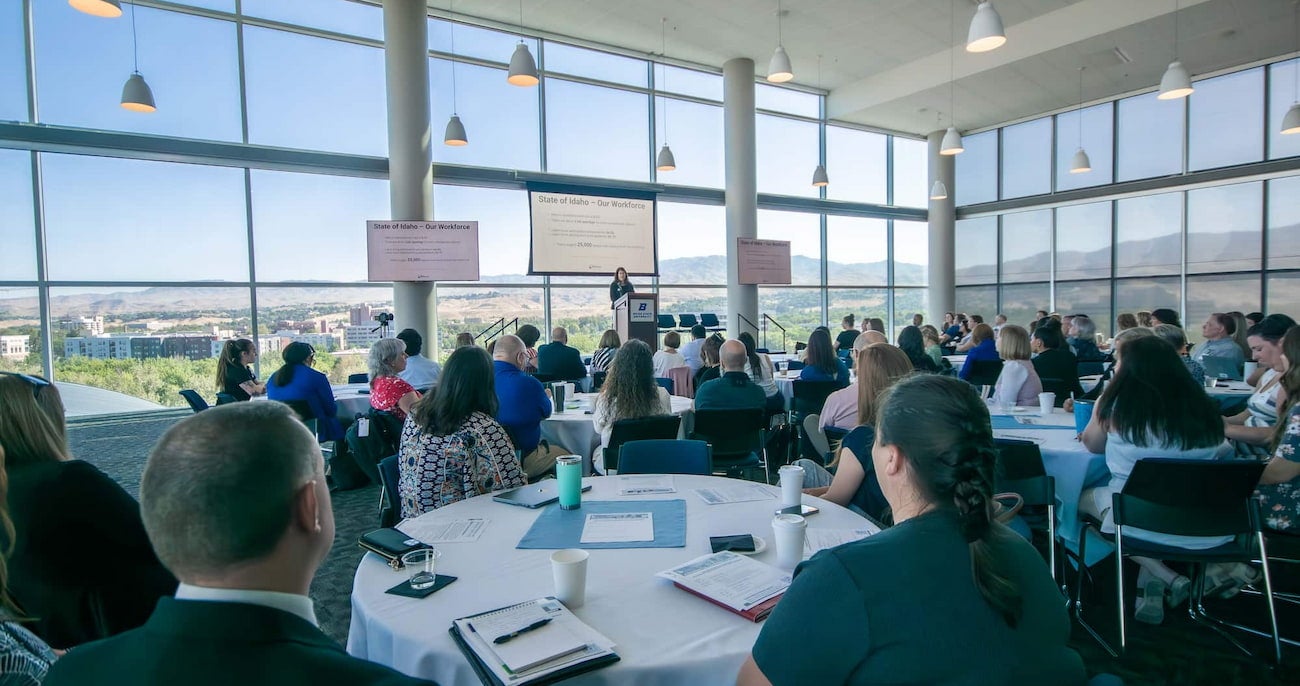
x=664, y=161
x=819, y=174
x=523, y=68
x=455, y=133
x=951, y=143
x=778, y=68
x=1080, y=164
x=938, y=191
x=1176, y=83
x=98, y=8
x=986, y=32
x=136, y=94
x=1291, y=122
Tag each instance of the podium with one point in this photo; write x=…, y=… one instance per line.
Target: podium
x=636, y=315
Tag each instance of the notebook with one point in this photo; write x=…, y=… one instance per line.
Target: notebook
x=562, y=647
x=533, y=496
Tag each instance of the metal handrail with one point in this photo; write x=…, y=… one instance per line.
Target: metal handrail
x=745, y=319
x=497, y=328
x=768, y=318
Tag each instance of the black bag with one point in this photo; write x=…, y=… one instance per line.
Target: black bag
x=345, y=474
x=383, y=436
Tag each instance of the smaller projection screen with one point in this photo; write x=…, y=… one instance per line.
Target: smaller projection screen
x=763, y=262
x=580, y=233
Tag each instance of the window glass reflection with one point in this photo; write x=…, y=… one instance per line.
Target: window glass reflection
x=695, y=136
x=1220, y=293
x=911, y=253
x=339, y=16
x=1226, y=115
x=1087, y=297
x=1083, y=241
x=1020, y=302
x=1027, y=158
x=1026, y=246
x=1282, y=93
x=1284, y=223
x=1150, y=137
x=593, y=64
x=977, y=169
x=977, y=251
x=1148, y=234
x=1137, y=295
x=1223, y=228
x=617, y=149
x=803, y=230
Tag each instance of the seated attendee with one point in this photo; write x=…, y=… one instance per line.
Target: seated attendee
x=733, y=390
x=1054, y=363
x=875, y=324
x=296, y=382
x=234, y=500
x=759, y=368
x=950, y=334
x=529, y=334
x=1240, y=327
x=389, y=392
x=605, y=350
x=64, y=510
x=912, y=343
x=1164, y=315
x=878, y=367
x=710, y=362
x=848, y=334
x=821, y=364
x=999, y=321
x=1144, y=319
x=234, y=377
x=1018, y=384
x=522, y=404
x=983, y=350
x=932, y=346
x=420, y=372
x=1151, y=409
x=452, y=448
x=1279, y=487
x=668, y=358
x=629, y=392
x=464, y=338
x=1083, y=340
x=1254, y=318
x=1104, y=380
x=858, y=612
x=1126, y=320
x=1252, y=429
x=24, y=658
x=557, y=360
x=691, y=351
x=1175, y=337
x=965, y=338
x=1218, y=331
x=918, y=319
x=869, y=337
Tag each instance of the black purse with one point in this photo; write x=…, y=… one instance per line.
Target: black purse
x=391, y=545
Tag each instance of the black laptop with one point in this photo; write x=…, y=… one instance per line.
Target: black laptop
x=531, y=496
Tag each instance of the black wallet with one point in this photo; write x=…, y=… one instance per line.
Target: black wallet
x=742, y=543
x=391, y=545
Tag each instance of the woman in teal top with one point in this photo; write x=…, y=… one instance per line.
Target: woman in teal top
x=947, y=595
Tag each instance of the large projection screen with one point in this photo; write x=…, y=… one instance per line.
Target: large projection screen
x=578, y=233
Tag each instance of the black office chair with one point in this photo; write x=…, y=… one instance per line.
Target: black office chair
x=738, y=439
x=686, y=321
x=665, y=456
x=666, y=383
x=359, y=378
x=390, y=505
x=1019, y=469
x=985, y=372
x=597, y=380
x=225, y=399
x=196, y=401
x=710, y=322
x=545, y=378
x=1058, y=386
x=1186, y=498
x=645, y=428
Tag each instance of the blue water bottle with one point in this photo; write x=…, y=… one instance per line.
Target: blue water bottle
x=568, y=472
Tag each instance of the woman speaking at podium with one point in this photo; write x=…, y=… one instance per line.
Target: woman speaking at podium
x=619, y=287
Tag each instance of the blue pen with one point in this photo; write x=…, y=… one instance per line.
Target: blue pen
x=515, y=634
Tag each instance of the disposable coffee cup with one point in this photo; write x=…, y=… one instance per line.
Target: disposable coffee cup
x=1046, y=403
x=791, y=485
x=788, y=531
x=1249, y=368
x=558, y=395
x=569, y=567
x=1082, y=414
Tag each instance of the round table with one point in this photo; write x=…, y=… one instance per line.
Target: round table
x=351, y=398
x=575, y=431
x=663, y=634
x=1226, y=392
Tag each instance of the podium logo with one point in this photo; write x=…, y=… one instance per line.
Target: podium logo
x=642, y=308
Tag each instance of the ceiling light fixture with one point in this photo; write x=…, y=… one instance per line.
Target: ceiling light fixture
x=1080, y=164
x=1176, y=83
x=664, y=161
x=523, y=68
x=455, y=132
x=819, y=174
x=1291, y=122
x=98, y=8
x=986, y=32
x=938, y=191
x=951, y=143
x=778, y=68
x=136, y=94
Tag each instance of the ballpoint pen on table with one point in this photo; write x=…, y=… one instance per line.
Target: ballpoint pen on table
x=515, y=634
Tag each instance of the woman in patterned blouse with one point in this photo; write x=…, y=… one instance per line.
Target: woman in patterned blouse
x=388, y=391
x=452, y=448
x=24, y=658
x=1279, y=487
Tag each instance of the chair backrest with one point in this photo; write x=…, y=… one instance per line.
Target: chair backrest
x=709, y=320
x=731, y=433
x=1091, y=367
x=809, y=396
x=665, y=456
x=1221, y=368
x=686, y=321
x=383, y=438
x=1190, y=497
x=1058, y=386
x=196, y=401
x=359, y=378
x=683, y=382
x=666, y=321
x=391, y=511
x=985, y=372
x=597, y=380
x=666, y=382
x=640, y=429
x=1019, y=469
x=813, y=430
x=546, y=378
x=301, y=408
x=225, y=398
x=794, y=365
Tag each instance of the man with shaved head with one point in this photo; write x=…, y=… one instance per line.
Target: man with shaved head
x=734, y=390
x=522, y=404
x=557, y=361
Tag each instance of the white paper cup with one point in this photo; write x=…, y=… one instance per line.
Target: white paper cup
x=791, y=485
x=788, y=530
x=1046, y=403
x=1249, y=369
x=569, y=567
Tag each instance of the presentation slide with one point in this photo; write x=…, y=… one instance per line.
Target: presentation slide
x=422, y=251
x=592, y=234
x=763, y=262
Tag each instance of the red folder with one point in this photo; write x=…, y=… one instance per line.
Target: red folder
x=756, y=613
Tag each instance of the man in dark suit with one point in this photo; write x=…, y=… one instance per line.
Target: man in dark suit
x=558, y=361
x=734, y=390
x=235, y=503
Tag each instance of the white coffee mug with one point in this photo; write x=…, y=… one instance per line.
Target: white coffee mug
x=788, y=530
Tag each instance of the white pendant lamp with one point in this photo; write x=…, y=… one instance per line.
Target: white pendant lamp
x=98, y=8
x=136, y=94
x=1176, y=83
x=819, y=177
x=665, y=161
x=454, y=135
x=778, y=68
x=938, y=191
x=951, y=143
x=986, y=32
x=523, y=68
x=1080, y=164
x=1291, y=122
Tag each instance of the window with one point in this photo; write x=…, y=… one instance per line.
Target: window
x=856, y=251
x=593, y=64
x=1097, y=136
x=285, y=315
x=787, y=100
x=17, y=230
x=692, y=244
x=1083, y=241
x=1219, y=293
x=977, y=169
x=307, y=92
x=688, y=82
x=474, y=41
x=503, y=228
x=855, y=161
x=911, y=253
x=1283, y=91
x=975, y=299
x=13, y=63
x=1148, y=235
x=1284, y=223
x=339, y=16
x=82, y=62
x=1223, y=228
x=907, y=302
x=1027, y=246
x=20, y=317
x=1150, y=137
x=799, y=310
x=109, y=219
x=1137, y=295
x=1284, y=292
x=696, y=137
x=1019, y=302
x=474, y=309
x=1086, y=297
x=695, y=301
x=619, y=148
x=862, y=303
x=311, y=227
x=910, y=173
x=803, y=230
x=786, y=155
x=1027, y=158
x=1226, y=115
x=584, y=314
x=482, y=96
x=977, y=251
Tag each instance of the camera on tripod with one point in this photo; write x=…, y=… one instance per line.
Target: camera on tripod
x=384, y=318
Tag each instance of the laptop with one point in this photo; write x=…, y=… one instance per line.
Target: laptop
x=533, y=496
x=1221, y=368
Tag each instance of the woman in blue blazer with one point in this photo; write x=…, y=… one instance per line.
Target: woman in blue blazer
x=297, y=381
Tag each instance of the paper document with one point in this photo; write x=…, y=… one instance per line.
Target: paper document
x=642, y=484
x=1020, y=437
x=564, y=640
x=740, y=493
x=618, y=527
x=817, y=540
x=451, y=531
x=733, y=580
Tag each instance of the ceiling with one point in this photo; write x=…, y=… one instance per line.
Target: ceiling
x=886, y=62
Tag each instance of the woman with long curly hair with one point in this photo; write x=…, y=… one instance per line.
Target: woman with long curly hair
x=629, y=392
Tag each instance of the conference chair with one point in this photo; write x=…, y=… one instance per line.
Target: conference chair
x=545, y=378
x=686, y=321
x=644, y=428
x=390, y=506
x=666, y=382
x=225, y=399
x=834, y=438
x=710, y=322
x=683, y=382
x=1186, y=498
x=359, y=378
x=985, y=373
x=1019, y=469
x=665, y=456
x=597, y=380
x=738, y=439
x=1058, y=386
x=196, y=401
x=667, y=323
x=815, y=438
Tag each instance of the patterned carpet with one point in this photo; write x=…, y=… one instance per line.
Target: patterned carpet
x=1178, y=652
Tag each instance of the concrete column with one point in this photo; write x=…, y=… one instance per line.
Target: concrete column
x=410, y=158
x=942, y=269
x=742, y=185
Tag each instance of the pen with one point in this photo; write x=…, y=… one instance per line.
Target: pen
x=515, y=634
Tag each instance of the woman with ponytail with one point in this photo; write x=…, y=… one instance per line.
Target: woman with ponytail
x=233, y=375
x=947, y=595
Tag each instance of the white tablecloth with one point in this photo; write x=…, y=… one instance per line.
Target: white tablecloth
x=352, y=399
x=1226, y=392
x=575, y=430
x=664, y=635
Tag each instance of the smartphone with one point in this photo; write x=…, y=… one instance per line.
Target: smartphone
x=802, y=510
